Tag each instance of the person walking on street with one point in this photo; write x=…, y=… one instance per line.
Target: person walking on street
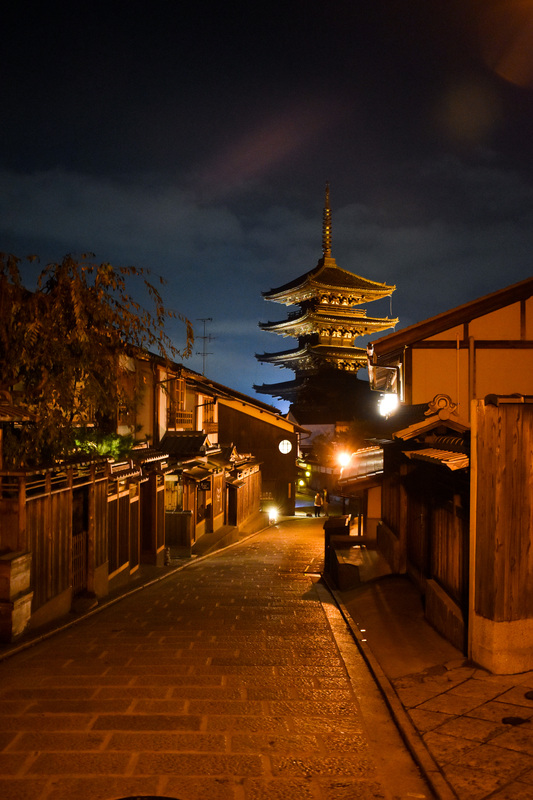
x=318, y=504
x=325, y=497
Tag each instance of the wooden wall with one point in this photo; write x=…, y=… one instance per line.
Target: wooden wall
x=504, y=521
x=73, y=522
x=249, y=497
x=426, y=508
x=98, y=545
x=253, y=435
x=393, y=500
x=449, y=557
x=152, y=518
x=437, y=528
x=39, y=519
x=48, y=531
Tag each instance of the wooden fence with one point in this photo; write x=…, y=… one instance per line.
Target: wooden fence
x=75, y=522
x=57, y=516
x=425, y=508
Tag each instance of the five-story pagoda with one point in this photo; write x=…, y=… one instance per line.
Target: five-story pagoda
x=326, y=325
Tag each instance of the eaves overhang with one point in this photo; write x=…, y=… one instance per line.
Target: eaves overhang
x=445, y=458
x=427, y=425
x=327, y=275
x=349, y=486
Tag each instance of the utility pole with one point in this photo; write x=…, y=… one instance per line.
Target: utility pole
x=205, y=339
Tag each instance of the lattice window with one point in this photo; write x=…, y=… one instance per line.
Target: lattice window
x=176, y=414
x=209, y=412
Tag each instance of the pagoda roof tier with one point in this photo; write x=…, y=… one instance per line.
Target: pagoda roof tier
x=320, y=318
x=320, y=390
x=285, y=357
x=287, y=390
x=327, y=279
x=327, y=352
x=311, y=357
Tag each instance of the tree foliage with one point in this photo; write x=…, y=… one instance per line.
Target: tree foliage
x=64, y=348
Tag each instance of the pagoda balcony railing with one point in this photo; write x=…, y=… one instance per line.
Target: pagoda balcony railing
x=179, y=419
x=210, y=427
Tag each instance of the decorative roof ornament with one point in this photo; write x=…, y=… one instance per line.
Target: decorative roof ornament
x=443, y=405
x=326, y=226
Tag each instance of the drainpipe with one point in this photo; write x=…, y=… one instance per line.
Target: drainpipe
x=457, y=372
x=155, y=427
x=471, y=373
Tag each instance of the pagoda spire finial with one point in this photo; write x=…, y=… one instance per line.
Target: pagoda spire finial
x=326, y=226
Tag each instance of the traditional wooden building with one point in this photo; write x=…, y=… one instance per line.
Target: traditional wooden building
x=457, y=487
x=479, y=348
x=71, y=533
x=258, y=429
x=207, y=487
x=177, y=399
x=327, y=324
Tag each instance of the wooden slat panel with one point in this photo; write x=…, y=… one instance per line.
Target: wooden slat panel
x=449, y=542
x=100, y=523
x=79, y=562
x=160, y=513
x=135, y=531
x=124, y=529
x=112, y=526
x=49, y=524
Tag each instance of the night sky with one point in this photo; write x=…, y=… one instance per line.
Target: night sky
x=196, y=139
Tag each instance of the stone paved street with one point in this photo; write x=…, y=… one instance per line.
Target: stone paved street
x=235, y=678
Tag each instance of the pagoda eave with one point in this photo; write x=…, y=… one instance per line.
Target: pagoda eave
x=344, y=352
x=289, y=390
x=310, y=324
x=283, y=355
x=327, y=277
x=311, y=359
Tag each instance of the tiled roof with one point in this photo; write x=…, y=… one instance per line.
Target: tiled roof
x=183, y=443
x=446, y=458
x=328, y=274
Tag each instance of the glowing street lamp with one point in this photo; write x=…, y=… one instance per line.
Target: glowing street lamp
x=388, y=403
x=344, y=459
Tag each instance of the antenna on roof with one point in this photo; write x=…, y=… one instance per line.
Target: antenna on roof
x=326, y=226
x=205, y=339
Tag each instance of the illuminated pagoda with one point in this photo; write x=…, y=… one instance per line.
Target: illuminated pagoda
x=326, y=325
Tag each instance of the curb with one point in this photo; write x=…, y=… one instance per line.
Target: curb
x=408, y=732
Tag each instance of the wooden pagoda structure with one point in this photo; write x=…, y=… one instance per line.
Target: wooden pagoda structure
x=326, y=325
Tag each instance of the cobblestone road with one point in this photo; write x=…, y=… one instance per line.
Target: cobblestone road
x=235, y=678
